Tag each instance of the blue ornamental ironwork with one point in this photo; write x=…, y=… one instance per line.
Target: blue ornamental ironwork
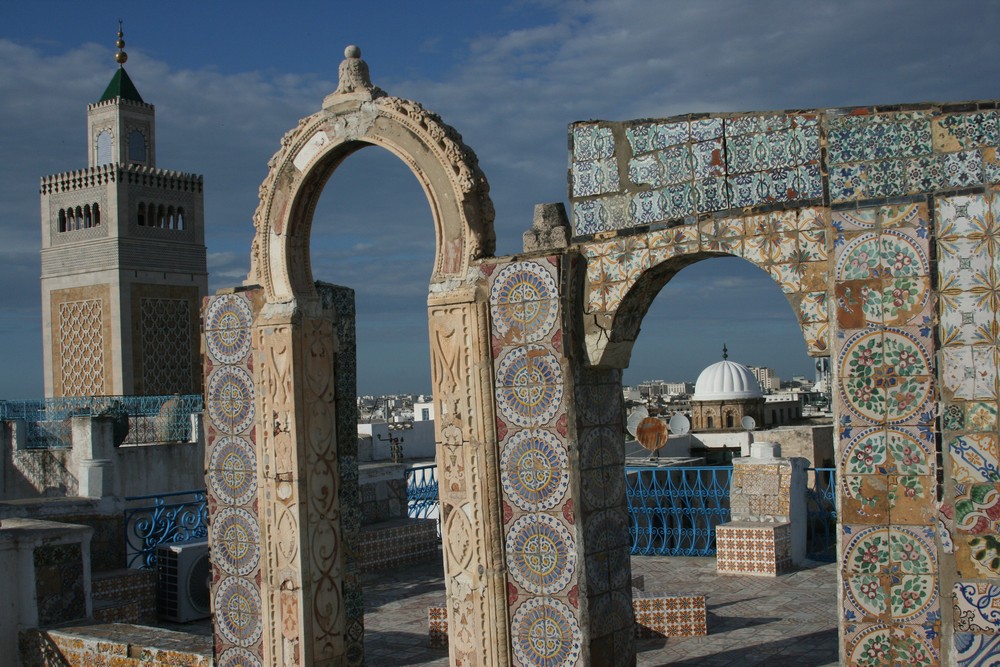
x=674, y=511
x=821, y=513
x=422, y=492
x=139, y=419
x=171, y=518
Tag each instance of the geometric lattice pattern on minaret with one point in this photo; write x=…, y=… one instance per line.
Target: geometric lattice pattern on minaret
x=81, y=348
x=166, y=346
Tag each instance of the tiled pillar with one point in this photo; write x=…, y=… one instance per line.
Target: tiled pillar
x=231, y=476
x=767, y=498
x=563, y=496
x=253, y=480
x=967, y=234
x=885, y=393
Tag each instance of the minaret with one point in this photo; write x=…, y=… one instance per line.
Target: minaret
x=123, y=260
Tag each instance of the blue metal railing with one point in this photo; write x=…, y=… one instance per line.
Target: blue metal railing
x=821, y=514
x=139, y=419
x=674, y=511
x=422, y=492
x=171, y=517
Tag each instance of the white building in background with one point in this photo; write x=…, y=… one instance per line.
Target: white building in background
x=423, y=411
x=767, y=378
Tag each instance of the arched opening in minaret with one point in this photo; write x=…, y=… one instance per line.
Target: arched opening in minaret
x=703, y=320
x=373, y=232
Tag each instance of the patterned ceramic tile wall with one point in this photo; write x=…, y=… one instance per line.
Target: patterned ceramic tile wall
x=639, y=173
x=230, y=453
x=968, y=248
x=792, y=246
x=675, y=169
x=886, y=401
x=539, y=519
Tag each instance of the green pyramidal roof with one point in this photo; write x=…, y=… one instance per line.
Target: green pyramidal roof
x=121, y=86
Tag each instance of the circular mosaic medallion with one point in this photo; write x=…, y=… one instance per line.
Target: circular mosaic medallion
x=227, y=328
x=599, y=404
x=524, y=298
x=865, y=454
x=870, y=647
x=885, y=376
x=862, y=218
x=540, y=553
x=236, y=540
x=601, y=447
x=238, y=611
x=529, y=391
x=545, y=632
x=232, y=471
x=231, y=399
x=901, y=256
x=603, y=487
x=608, y=529
x=859, y=260
x=238, y=657
x=866, y=593
x=534, y=470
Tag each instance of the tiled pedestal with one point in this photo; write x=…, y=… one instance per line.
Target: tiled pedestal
x=750, y=547
x=659, y=615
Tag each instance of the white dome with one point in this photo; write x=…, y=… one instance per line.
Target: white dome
x=726, y=380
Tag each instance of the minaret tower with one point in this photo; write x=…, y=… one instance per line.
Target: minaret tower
x=123, y=260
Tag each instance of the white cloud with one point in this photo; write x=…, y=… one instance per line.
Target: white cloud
x=510, y=93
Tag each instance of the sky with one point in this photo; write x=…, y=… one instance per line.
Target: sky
x=228, y=79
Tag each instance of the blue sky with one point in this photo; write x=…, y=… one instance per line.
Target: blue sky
x=228, y=79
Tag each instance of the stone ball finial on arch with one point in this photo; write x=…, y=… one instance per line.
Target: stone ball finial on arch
x=356, y=115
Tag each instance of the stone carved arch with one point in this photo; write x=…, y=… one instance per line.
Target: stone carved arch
x=303, y=382
x=360, y=114
x=790, y=246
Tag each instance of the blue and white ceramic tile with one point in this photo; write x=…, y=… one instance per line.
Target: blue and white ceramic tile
x=975, y=650
x=591, y=142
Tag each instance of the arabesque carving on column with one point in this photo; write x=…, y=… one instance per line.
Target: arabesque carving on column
x=461, y=372
x=298, y=489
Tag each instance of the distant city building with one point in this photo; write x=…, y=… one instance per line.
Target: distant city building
x=767, y=378
x=123, y=261
x=655, y=388
x=423, y=411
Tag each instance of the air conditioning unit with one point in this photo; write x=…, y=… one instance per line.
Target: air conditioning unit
x=184, y=579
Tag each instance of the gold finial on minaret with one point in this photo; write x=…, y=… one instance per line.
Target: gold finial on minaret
x=120, y=55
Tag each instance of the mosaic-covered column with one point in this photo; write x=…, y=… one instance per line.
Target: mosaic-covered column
x=885, y=400
x=554, y=619
x=245, y=481
x=968, y=251
x=231, y=476
x=468, y=466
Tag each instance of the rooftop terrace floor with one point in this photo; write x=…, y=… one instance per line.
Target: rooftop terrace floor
x=787, y=620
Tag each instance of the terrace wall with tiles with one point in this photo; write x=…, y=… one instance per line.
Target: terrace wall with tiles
x=878, y=225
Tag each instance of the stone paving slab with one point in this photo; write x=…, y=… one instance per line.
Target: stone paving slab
x=786, y=620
